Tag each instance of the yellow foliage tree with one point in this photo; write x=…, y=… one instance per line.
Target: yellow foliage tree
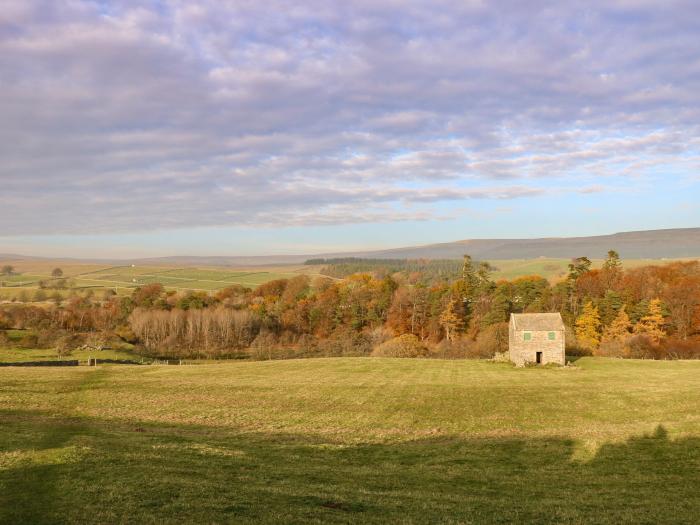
x=651, y=325
x=619, y=330
x=588, y=327
x=451, y=320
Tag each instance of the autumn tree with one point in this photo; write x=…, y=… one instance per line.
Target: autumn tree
x=588, y=327
x=8, y=269
x=56, y=273
x=682, y=298
x=451, y=320
x=651, y=325
x=620, y=328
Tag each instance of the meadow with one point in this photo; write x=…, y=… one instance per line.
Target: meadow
x=123, y=279
x=352, y=440
x=557, y=269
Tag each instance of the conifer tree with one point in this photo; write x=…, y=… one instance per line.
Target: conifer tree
x=588, y=327
x=611, y=272
x=609, y=306
x=499, y=310
x=577, y=267
x=469, y=279
x=451, y=320
x=620, y=329
x=651, y=325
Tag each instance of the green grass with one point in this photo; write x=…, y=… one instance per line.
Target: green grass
x=352, y=440
x=14, y=355
x=124, y=279
x=556, y=269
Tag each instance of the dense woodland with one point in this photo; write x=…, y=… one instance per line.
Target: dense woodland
x=648, y=312
x=430, y=269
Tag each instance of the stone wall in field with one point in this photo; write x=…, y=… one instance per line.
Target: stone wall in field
x=42, y=363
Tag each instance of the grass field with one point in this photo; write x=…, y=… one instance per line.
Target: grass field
x=557, y=269
x=352, y=440
x=123, y=279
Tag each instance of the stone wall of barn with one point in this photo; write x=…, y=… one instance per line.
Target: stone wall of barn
x=522, y=352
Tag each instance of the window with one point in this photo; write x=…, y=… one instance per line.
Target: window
x=551, y=336
x=527, y=336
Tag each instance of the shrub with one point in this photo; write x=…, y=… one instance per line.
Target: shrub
x=673, y=348
x=614, y=348
x=346, y=343
x=407, y=345
x=460, y=348
x=125, y=333
x=63, y=347
x=28, y=341
x=491, y=341
x=641, y=347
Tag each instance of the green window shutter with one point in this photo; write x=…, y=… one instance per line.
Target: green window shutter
x=552, y=336
x=527, y=336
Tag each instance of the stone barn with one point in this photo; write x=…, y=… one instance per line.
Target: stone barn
x=536, y=338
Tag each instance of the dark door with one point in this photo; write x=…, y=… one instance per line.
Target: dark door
x=538, y=356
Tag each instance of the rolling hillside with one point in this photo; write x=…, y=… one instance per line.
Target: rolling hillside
x=651, y=244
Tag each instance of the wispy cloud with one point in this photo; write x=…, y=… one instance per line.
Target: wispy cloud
x=124, y=116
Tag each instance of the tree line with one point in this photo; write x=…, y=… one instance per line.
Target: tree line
x=646, y=312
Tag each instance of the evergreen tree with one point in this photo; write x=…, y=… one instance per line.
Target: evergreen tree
x=612, y=262
x=588, y=327
x=577, y=268
x=611, y=272
x=484, y=285
x=469, y=279
x=651, y=325
x=610, y=306
x=639, y=310
x=499, y=311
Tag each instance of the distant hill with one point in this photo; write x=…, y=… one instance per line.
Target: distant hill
x=651, y=244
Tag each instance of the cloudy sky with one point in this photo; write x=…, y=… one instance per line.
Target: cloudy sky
x=247, y=127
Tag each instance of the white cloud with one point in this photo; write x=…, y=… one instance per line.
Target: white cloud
x=129, y=115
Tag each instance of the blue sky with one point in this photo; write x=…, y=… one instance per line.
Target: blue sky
x=236, y=128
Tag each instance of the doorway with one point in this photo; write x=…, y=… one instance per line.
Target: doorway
x=538, y=358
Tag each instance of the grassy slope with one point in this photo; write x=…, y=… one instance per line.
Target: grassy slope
x=557, y=269
x=125, y=278
x=14, y=355
x=352, y=440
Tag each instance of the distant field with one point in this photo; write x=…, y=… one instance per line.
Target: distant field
x=361, y=440
x=556, y=269
x=124, y=278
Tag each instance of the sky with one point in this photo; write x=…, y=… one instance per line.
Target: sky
x=237, y=127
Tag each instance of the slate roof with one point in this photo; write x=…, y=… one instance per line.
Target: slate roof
x=538, y=322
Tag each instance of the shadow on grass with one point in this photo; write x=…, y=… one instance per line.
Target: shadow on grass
x=101, y=471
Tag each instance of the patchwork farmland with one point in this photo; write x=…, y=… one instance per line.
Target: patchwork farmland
x=28, y=277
